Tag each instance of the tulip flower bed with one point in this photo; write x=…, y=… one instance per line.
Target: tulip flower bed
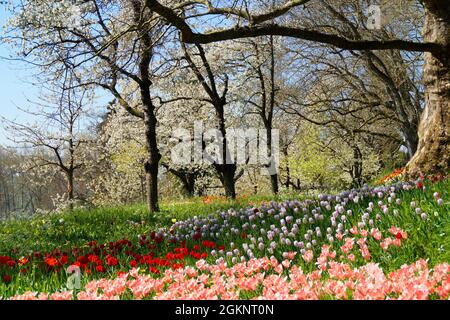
x=387, y=242
x=268, y=279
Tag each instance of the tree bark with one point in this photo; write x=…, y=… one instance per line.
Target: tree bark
x=229, y=184
x=433, y=152
x=273, y=177
x=189, y=184
x=152, y=164
x=226, y=170
x=70, y=183
x=356, y=171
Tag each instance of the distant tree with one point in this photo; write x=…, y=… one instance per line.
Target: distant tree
x=18, y=191
x=56, y=137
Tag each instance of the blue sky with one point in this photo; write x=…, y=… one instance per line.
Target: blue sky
x=15, y=88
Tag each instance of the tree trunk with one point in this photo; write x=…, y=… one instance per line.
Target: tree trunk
x=151, y=178
x=274, y=183
x=152, y=164
x=228, y=171
x=411, y=141
x=70, y=192
x=70, y=185
x=356, y=171
x=433, y=152
x=287, y=168
x=188, y=189
x=273, y=177
x=189, y=184
x=187, y=179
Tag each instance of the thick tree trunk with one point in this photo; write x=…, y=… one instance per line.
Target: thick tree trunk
x=152, y=164
x=225, y=170
x=228, y=181
x=274, y=183
x=433, y=152
x=189, y=185
x=151, y=178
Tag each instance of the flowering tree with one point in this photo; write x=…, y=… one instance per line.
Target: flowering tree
x=114, y=173
x=115, y=170
x=106, y=43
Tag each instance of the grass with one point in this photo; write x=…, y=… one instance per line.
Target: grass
x=44, y=232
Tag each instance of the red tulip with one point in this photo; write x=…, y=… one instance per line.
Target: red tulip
x=51, y=262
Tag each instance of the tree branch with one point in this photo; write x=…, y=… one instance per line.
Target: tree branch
x=190, y=36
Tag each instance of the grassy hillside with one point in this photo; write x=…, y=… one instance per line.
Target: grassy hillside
x=390, y=226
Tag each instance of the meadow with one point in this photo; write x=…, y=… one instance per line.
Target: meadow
x=378, y=242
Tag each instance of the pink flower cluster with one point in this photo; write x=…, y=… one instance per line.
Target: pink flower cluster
x=270, y=279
